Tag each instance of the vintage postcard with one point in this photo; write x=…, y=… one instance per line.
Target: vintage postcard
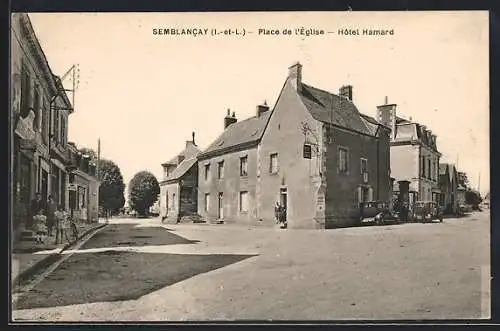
x=244, y=166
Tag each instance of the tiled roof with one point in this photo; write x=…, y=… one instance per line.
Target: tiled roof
x=330, y=108
x=370, y=123
x=240, y=133
x=190, y=151
x=182, y=168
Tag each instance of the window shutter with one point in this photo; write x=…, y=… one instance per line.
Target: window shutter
x=370, y=194
x=360, y=195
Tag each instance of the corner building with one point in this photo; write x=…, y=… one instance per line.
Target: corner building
x=315, y=153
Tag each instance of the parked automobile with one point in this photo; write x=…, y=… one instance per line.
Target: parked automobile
x=374, y=211
x=427, y=211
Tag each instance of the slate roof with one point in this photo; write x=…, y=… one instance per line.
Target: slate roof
x=345, y=114
x=181, y=169
x=246, y=132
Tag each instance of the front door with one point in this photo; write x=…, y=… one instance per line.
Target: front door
x=284, y=201
x=220, y=214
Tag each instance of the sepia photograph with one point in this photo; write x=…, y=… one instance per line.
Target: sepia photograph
x=250, y=166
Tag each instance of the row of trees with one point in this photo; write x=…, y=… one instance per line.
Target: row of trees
x=472, y=197
x=143, y=188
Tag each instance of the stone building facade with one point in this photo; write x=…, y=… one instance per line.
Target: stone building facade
x=179, y=187
x=38, y=117
x=448, y=185
x=315, y=153
x=83, y=187
x=414, y=155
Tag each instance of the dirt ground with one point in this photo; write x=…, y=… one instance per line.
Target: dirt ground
x=407, y=271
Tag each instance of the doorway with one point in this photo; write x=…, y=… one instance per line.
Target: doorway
x=220, y=214
x=44, y=185
x=284, y=201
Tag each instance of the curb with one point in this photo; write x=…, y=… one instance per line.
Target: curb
x=28, y=274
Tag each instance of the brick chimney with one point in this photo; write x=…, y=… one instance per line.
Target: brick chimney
x=190, y=142
x=346, y=92
x=261, y=109
x=295, y=75
x=386, y=115
x=229, y=119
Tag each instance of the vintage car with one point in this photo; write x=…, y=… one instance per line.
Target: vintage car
x=373, y=211
x=426, y=211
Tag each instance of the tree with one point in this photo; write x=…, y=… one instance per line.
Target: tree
x=473, y=198
x=111, y=190
x=143, y=192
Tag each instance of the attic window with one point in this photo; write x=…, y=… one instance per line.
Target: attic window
x=255, y=132
x=220, y=143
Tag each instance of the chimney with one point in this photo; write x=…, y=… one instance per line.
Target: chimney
x=346, y=92
x=261, y=109
x=192, y=135
x=228, y=120
x=386, y=115
x=295, y=75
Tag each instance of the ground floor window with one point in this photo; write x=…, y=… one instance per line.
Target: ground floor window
x=243, y=201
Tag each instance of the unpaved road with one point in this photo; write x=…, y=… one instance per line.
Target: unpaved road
x=196, y=272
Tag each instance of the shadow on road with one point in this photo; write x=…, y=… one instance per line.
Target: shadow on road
x=116, y=235
x=118, y=276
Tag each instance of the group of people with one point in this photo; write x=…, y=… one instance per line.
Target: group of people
x=47, y=218
x=280, y=215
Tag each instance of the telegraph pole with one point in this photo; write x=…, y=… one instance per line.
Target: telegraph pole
x=479, y=183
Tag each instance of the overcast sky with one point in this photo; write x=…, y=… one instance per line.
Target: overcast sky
x=144, y=94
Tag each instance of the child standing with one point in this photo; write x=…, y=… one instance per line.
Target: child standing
x=60, y=217
x=39, y=224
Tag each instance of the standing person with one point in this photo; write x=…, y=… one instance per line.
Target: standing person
x=60, y=217
x=36, y=205
x=39, y=221
x=50, y=213
x=284, y=224
x=277, y=211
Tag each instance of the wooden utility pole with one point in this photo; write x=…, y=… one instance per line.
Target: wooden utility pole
x=98, y=157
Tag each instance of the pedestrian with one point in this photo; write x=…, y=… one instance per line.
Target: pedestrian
x=277, y=211
x=61, y=220
x=283, y=219
x=39, y=226
x=51, y=208
x=36, y=205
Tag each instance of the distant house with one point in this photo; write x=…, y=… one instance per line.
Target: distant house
x=314, y=153
x=448, y=184
x=83, y=186
x=414, y=154
x=228, y=170
x=178, y=189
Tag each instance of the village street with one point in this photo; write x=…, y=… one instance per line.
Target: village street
x=151, y=272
